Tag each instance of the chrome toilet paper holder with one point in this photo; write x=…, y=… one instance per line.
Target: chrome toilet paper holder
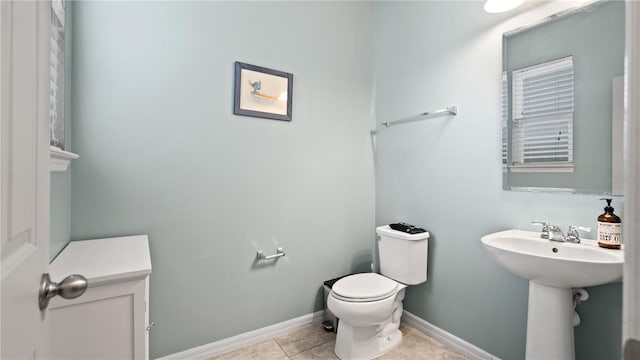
x=261, y=256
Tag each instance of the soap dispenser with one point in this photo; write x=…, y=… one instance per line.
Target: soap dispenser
x=609, y=228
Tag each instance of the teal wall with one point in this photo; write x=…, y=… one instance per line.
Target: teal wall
x=60, y=221
x=445, y=174
x=161, y=153
x=595, y=39
x=60, y=204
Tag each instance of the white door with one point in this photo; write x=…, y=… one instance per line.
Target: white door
x=24, y=183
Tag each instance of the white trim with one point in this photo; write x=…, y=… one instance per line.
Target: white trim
x=60, y=159
x=544, y=189
x=255, y=336
x=564, y=168
x=631, y=224
x=554, y=17
x=458, y=345
x=249, y=338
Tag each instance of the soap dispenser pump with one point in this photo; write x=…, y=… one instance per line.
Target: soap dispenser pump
x=609, y=228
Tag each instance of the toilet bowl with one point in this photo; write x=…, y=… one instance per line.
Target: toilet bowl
x=369, y=305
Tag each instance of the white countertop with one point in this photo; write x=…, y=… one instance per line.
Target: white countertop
x=104, y=261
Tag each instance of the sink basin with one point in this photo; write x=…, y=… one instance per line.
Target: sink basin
x=553, y=269
x=552, y=263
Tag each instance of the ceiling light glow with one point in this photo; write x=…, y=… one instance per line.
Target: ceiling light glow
x=498, y=6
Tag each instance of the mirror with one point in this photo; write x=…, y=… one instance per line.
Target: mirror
x=562, y=103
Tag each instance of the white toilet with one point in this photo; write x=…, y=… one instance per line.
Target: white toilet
x=369, y=305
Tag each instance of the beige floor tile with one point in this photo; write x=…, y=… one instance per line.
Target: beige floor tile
x=453, y=356
x=313, y=343
x=418, y=346
x=424, y=339
x=268, y=350
x=304, y=339
x=447, y=352
x=406, y=330
x=324, y=352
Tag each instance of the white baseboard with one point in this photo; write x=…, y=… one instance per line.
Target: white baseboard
x=255, y=336
x=249, y=338
x=458, y=345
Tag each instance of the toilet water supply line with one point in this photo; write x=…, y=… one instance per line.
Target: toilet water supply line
x=579, y=295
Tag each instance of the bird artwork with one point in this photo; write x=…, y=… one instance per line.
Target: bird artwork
x=258, y=96
x=256, y=85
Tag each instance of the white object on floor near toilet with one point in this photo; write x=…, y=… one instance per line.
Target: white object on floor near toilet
x=369, y=305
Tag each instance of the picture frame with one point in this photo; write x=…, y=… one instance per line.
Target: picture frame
x=262, y=92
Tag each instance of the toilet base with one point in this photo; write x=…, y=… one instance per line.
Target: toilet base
x=368, y=342
x=364, y=342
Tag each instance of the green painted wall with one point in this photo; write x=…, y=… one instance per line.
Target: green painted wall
x=60, y=204
x=60, y=221
x=445, y=174
x=162, y=154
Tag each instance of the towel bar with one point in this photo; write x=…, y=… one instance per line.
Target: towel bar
x=451, y=110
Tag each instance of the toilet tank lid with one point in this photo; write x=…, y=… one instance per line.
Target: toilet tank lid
x=388, y=231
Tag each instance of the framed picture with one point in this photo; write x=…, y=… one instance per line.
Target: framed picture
x=262, y=92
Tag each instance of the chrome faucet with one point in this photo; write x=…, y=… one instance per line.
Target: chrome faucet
x=545, y=228
x=553, y=232
x=550, y=232
x=573, y=235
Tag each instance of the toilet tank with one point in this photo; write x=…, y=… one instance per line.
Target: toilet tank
x=403, y=257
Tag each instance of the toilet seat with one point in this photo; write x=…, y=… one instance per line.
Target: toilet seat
x=364, y=287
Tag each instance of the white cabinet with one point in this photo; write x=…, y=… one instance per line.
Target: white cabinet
x=109, y=320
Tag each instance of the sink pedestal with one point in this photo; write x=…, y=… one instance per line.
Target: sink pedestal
x=550, y=323
x=552, y=268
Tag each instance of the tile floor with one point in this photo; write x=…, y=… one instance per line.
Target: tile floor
x=312, y=342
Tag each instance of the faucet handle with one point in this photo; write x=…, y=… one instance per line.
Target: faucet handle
x=545, y=228
x=573, y=235
x=576, y=227
x=545, y=225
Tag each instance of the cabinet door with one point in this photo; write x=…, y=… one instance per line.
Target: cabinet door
x=107, y=322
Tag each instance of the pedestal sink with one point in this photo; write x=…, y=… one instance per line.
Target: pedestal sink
x=553, y=269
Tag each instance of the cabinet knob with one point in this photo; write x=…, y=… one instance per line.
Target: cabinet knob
x=150, y=326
